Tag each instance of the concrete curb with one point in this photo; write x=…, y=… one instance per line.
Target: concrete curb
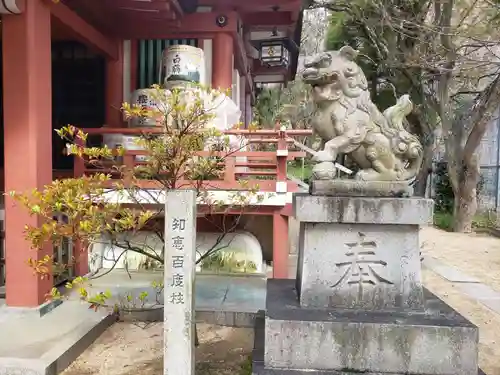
x=62, y=354
x=238, y=319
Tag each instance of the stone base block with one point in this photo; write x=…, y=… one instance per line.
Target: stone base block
x=364, y=266
x=258, y=367
x=358, y=188
x=438, y=341
x=357, y=252
x=362, y=210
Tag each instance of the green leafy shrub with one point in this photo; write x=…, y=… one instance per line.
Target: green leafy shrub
x=228, y=261
x=443, y=220
x=444, y=197
x=485, y=220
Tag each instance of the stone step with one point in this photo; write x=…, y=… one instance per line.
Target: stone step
x=439, y=341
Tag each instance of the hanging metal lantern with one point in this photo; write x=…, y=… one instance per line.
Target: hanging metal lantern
x=275, y=52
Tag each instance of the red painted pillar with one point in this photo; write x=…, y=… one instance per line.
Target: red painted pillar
x=81, y=259
x=26, y=45
x=280, y=246
x=222, y=63
x=114, y=89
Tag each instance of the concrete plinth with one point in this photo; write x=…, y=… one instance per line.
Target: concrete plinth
x=259, y=367
x=436, y=341
x=358, y=304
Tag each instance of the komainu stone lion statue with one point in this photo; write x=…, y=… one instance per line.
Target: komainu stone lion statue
x=349, y=123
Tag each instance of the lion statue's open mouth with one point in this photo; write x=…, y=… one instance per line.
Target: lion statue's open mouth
x=312, y=77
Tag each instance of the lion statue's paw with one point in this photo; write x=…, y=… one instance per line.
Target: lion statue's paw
x=323, y=156
x=324, y=171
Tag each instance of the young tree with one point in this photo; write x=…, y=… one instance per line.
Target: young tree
x=185, y=151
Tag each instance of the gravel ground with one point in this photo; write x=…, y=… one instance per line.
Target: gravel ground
x=130, y=349
x=476, y=255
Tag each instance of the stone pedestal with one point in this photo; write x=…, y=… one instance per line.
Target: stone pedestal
x=358, y=252
x=358, y=304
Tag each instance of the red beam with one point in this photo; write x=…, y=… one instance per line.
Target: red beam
x=137, y=11
x=266, y=4
x=93, y=15
x=267, y=18
x=134, y=5
x=245, y=210
x=262, y=185
x=133, y=18
x=196, y=24
x=158, y=130
x=83, y=30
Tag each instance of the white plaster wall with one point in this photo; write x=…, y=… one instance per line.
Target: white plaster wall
x=244, y=245
x=127, y=46
x=208, y=52
x=248, y=113
x=242, y=98
x=235, y=88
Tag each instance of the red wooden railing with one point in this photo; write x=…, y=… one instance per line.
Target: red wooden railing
x=267, y=169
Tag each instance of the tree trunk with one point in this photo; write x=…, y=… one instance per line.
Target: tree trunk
x=420, y=187
x=466, y=189
x=465, y=207
x=465, y=204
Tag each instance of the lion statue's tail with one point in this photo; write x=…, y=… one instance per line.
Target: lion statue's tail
x=405, y=144
x=414, y=156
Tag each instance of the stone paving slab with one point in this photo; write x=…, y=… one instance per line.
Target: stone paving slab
x=479, y=291
x=448, y=272
x=468, y=285
x=492, y=303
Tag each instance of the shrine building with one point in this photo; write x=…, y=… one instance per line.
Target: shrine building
x=76, y=61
